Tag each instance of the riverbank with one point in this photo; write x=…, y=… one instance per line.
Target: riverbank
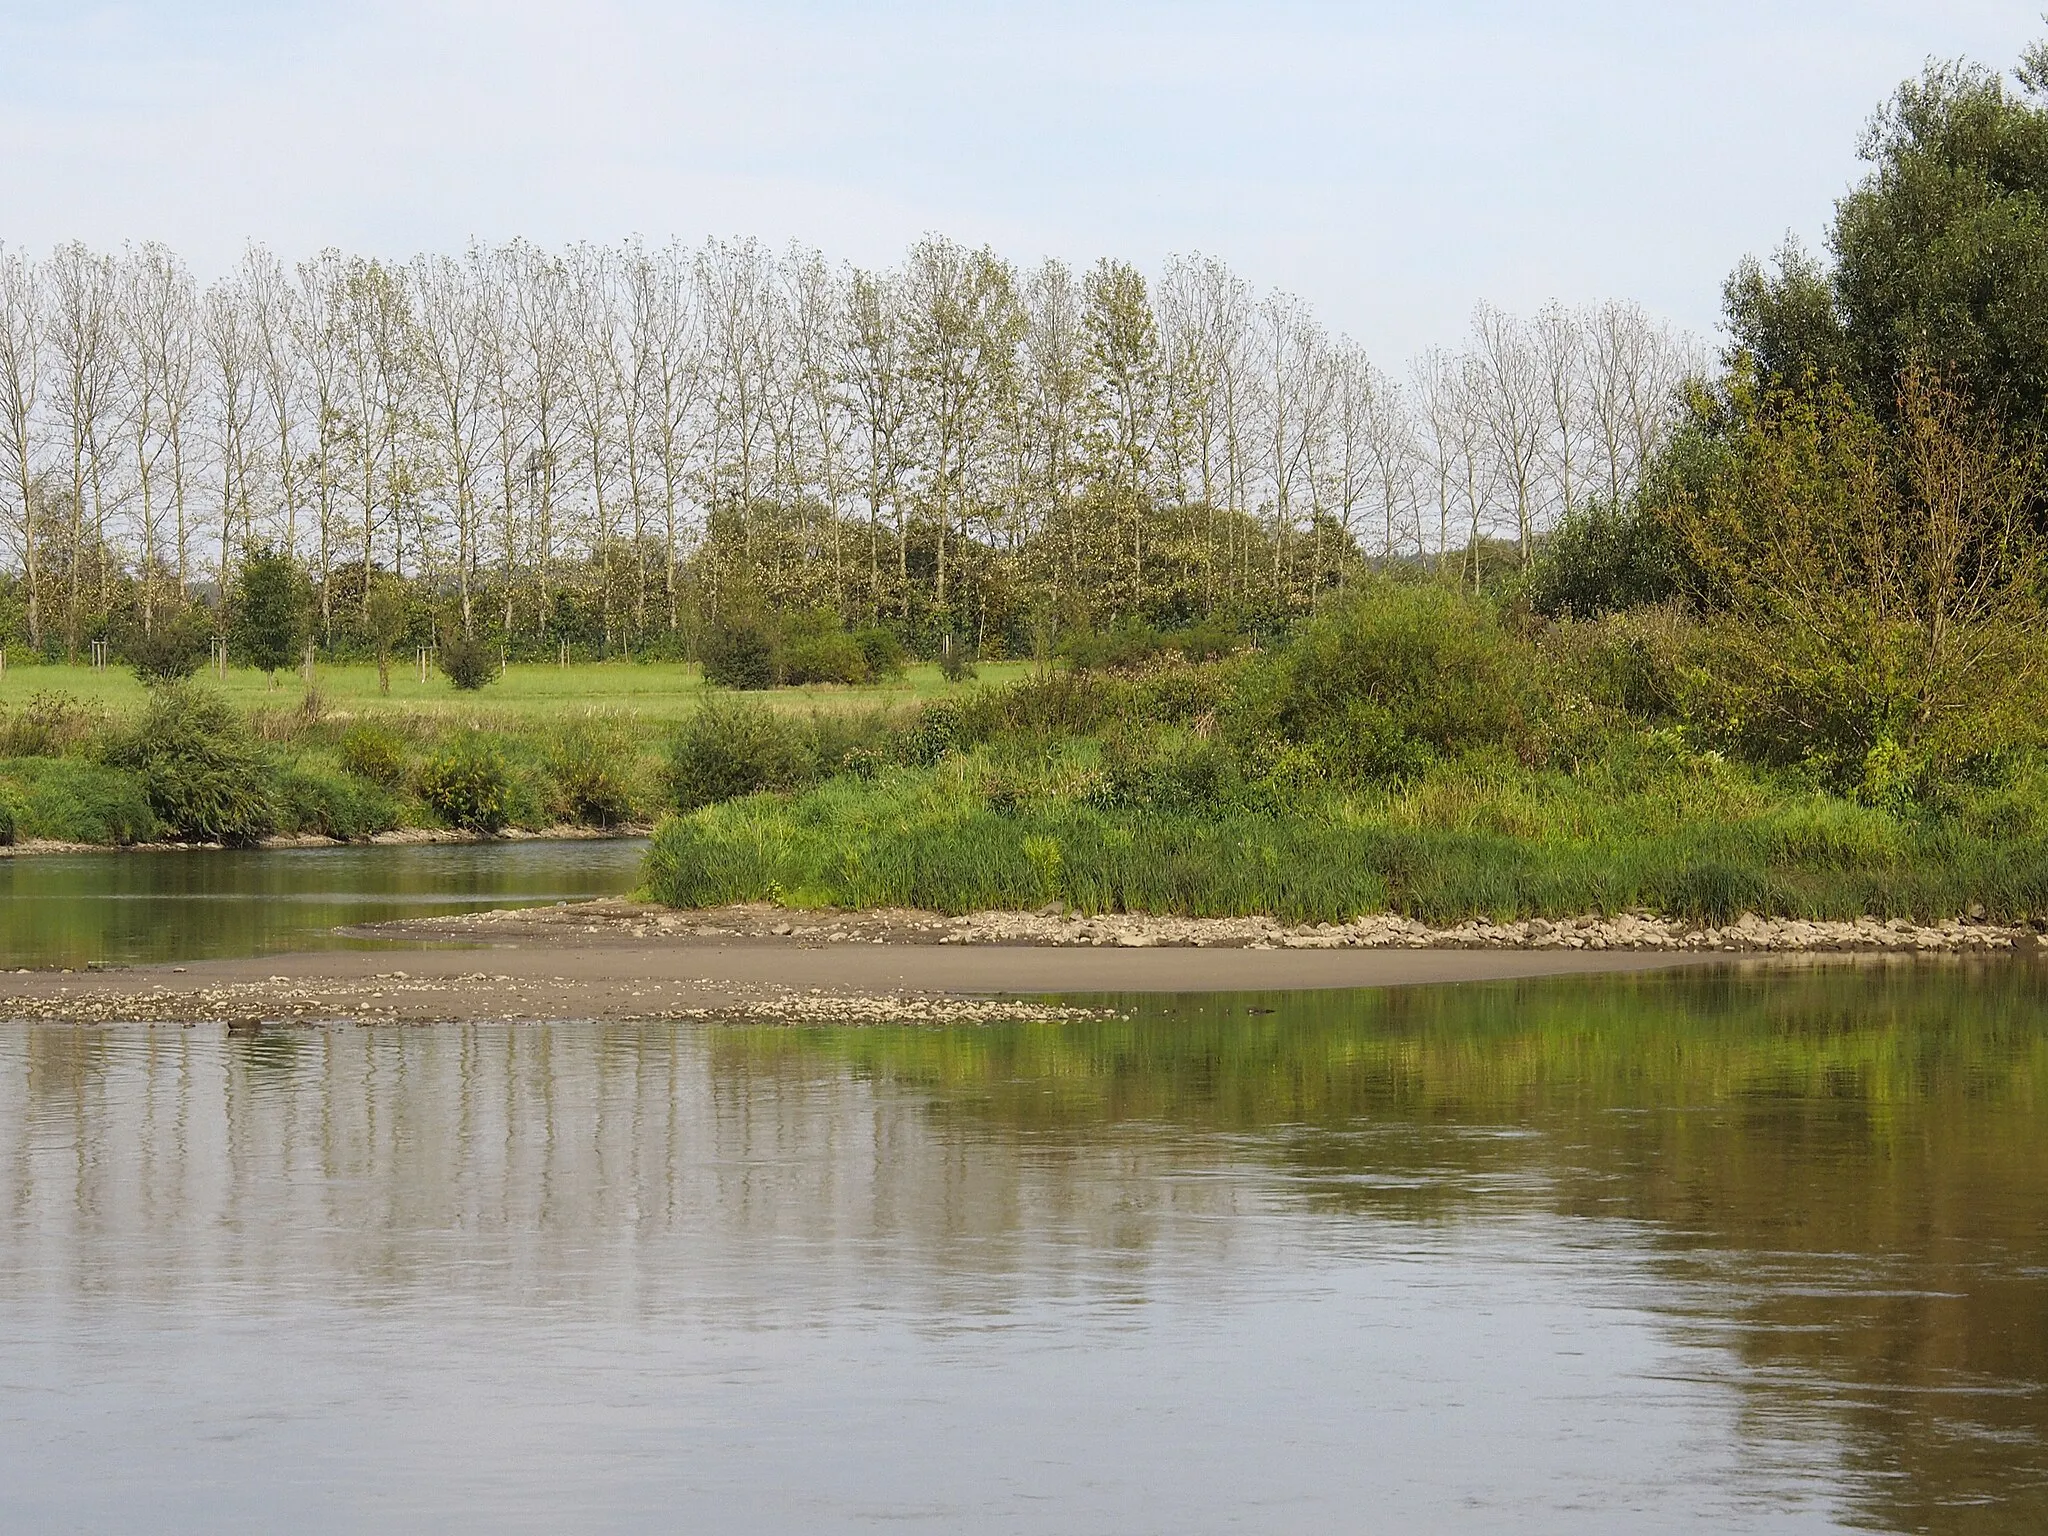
x=612, y=961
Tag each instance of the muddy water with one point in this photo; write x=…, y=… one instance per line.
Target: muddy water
x=1675, y=1253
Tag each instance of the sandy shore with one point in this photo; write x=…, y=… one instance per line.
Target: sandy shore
x=617, y=960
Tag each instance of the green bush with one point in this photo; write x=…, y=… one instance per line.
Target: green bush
x=204, y=776
x=466, y=785
x=371, y=752
x=738, y=651
x=729, y=748
x=69, y=800
x=171, y=650
x=6, y=821
x=468, y=663
x=588, y=762
x=1388, y=680
x=332, y=805
x=955, y=665
x=1602, y=559
x=881, y=650
x=817, y=649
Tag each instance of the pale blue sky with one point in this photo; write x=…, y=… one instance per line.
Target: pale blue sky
x=1390, y=163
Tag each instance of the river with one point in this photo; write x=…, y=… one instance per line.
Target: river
x=1707, y=1251
x=80, y=909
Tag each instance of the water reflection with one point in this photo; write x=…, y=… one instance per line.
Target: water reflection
x=1625, y=1253
x=135, y=908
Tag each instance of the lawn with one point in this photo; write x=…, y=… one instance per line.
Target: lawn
x=653, y=691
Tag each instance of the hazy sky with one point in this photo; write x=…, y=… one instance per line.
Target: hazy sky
x=1390, y=163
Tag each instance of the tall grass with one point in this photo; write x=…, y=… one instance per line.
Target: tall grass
x=1703, y=844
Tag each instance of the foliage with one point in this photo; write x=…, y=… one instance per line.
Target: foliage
x=371, y=751
x=468, y=663
x=587, y=760
x=171, y=650
x=1876, y=592
x=6, y=820
x=386, y=620
x=738, y=651
x=70, y=800
x=1384, y=681
x=1940, y=256
x=817, y=649
x=466, y=785
x=881, y=651
x=204, y=777
x=332, y=805
x=270, y=610
x=49, y=725
x=1602, y=559
x=732, y=747
x=954, y=663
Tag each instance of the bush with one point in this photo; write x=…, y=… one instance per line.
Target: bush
x=6, y=822
x=203, y=775
x=467, y=787
x=171, y=651
x=731, y=748
x=1602, y=559
x=469, y=663
x=70, y=801
x=1386, y=681
x=954, y=665
x=738, y=651
x=371, y=752
x=587, y=762
x=332, y=805
x=816, y=649
x=881, y=650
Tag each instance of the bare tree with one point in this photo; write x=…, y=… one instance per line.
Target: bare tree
x=85, y=332
x=21, y=359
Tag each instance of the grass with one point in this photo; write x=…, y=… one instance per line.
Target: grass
x=649, y=691
x=1695, y=838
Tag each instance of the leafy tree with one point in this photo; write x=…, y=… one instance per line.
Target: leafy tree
x=271, y=616
x=384, y=614
x=1940, y=254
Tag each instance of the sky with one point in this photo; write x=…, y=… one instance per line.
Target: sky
x=1391, y=164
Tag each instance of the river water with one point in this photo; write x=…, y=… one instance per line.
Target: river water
x=205, y=903
x=1694, y=1252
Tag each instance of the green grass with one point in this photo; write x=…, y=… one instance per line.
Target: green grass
x=1695, y=838
x=653, y=691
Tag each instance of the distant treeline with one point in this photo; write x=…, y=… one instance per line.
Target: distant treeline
x=605, y=445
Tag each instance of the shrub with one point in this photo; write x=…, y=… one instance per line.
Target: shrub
x=203, y=775
x=332, y=805
x=467, y=786
x=816, y=649
x=170, y=651
x=469, y=663
x=881, y=650
x=1602, y=559
x=954, y=665
x=371, y=752
x=71, y=801
x=587, y=762
x=738, y=651
x=937, y=729
x=1387, y=680
x=731, y=748
x=6, y=821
